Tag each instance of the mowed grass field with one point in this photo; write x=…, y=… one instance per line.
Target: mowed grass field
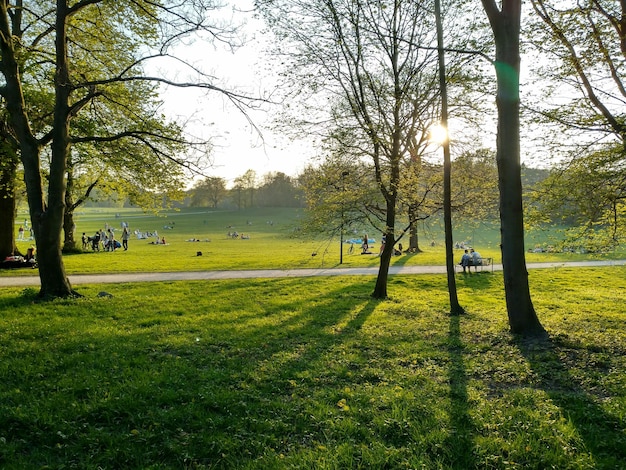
x=274, y=243
x=314, y=374
x=307, y=373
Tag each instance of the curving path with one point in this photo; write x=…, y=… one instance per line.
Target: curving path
x=75, y=279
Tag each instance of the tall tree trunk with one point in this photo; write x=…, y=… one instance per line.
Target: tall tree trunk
x=54, y=281
x=9, y=160
x=414, y=246
x=391, y=198
x=69, y=243
x=8, y=173
x=71, y=205
x=455, y=306
x=506, y=28
x=46, y=219
x=380, y=289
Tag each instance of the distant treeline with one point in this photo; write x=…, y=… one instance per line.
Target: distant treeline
x=272, y=190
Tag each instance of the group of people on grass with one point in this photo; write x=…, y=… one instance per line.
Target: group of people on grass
x=236, y=234
x=21, y=232
x=365, y=246
x=19, y=261
x=106, y=239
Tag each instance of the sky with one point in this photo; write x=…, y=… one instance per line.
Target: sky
x=240, y=143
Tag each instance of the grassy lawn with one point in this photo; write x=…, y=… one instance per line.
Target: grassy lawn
x=273, y=243
x=292, y=373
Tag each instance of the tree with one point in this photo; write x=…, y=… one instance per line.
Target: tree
x=339, y=194
x=585, y=46
x=455, y=306
x=209, y=192
x=589, y=196
x=9, y=161
x=244, y=189
x=475, y=185
x=505, y=24
x=278, y=190
x=135, y=19
x=366, y=57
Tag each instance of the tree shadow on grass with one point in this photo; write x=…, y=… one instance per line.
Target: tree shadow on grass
x=603, y=435
x=460, y=441
x=168, y=368
x=402, y=259
x=478, y=281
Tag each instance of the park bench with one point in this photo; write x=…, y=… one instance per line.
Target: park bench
x=482, y=263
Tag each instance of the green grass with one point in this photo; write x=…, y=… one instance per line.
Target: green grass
x=292, y=373
x=272, y=245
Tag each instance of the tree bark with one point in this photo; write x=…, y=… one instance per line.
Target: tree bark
x=8, y=172
x=455, y=306
x=46, y=219
x=380, y=289
x=506, y=28
x=413, y=236
x=56, y=282
x=69, y=244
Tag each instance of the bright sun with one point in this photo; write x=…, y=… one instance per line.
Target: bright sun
x=438, y=134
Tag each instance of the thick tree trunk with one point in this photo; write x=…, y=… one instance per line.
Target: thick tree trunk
x=8, y=172
x=46, y=219
x=69, y=244
x=380, y=289
x=54, y=281
x=522, y=317
x=47, y=222
x=7, y=207
x=413, y=236
x=506, y=27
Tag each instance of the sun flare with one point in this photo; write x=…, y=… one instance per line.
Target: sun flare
x=438, y=134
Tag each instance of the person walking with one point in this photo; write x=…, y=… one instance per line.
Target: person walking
x=125, y=237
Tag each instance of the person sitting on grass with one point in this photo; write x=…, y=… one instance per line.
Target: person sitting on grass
x=365, y=247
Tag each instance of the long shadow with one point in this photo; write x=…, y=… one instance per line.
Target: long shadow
x=460, y=441
x=402, y=259
x=225, y=382
x=603, y=435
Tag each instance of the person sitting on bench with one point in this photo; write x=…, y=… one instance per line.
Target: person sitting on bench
x=466, y=259
x=476, y=259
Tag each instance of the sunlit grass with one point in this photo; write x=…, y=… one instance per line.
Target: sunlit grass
x=292, y=373
x=274, y=243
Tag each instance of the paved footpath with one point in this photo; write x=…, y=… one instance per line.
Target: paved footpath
x=76, y=279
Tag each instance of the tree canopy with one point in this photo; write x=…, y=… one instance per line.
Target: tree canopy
x=86, y=77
